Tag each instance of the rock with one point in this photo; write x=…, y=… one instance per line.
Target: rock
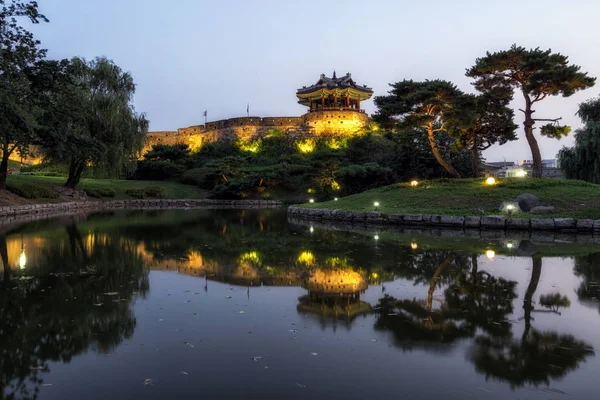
x=517, y=223
x=564, y=223
x=542, y=224
x=542, y=210
x=527, y=201
x=472, y=222
x=72, y=193
x=413, y=218
x=446, y=220
x=458, y=221
x=493, y=221
x=585, y=225
x=597, y=225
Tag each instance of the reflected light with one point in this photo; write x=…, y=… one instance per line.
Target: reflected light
x=490, y=254
x=414, y=245
x=414, y=183
x=306, y=258
x=22, y=259
x=490, y=181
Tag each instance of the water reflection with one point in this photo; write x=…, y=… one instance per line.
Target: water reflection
x=70, y=286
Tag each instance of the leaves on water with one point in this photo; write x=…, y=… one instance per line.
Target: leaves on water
x=257, y=358
x=314, y=354
x=184, y=373
x=148, y=382
x=300, y=385
x=242, y=312
x=189, y=344
x=111, y=293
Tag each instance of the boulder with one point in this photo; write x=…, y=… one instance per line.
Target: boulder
x=542, y=210
x=527, y=201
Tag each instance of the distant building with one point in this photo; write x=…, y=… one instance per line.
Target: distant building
x=510, y=169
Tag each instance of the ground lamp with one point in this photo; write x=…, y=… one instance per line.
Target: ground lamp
x=311, y=200
x=414, y=245
x=490, y=181
x=376, y=204
x=414, y=183
x=490, y=254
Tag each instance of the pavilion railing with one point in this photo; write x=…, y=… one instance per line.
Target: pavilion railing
x=339, y=108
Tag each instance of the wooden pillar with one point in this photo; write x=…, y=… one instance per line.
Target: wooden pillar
x=322, y=102
x=348, y=101
x=358, y=104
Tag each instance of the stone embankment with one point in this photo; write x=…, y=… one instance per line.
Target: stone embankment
x=497, y=222
x=11, y=213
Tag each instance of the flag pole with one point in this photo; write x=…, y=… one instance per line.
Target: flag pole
x=205, y=116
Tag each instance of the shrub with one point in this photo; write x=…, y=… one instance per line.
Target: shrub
x=358, y=178
x=100, y=192
x=157, y=170
x=155, y=192
x=30, y=191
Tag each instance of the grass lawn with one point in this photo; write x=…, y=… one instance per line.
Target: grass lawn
x=174, y=190
x=576, y=199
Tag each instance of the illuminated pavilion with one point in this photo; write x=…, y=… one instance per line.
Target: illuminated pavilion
x=334, y=94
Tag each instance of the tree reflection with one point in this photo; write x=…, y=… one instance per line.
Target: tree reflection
x=80, y=300
x=538, y=356
x=588, y=267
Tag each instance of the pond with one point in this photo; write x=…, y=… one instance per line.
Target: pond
x=220, y=304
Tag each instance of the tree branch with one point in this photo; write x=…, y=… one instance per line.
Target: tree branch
x=547, y=119
x=538, y=98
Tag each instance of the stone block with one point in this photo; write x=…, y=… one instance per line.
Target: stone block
x=436, y=220
x=543, y=224
x=446, y=220
x=564, y=223
x=426, y=218
x=597, y=225
x=518, y=223
x=413, y=218
x=493, y=222
x=458, y=221
x=472, y=222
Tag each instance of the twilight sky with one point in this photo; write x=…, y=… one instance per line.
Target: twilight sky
x=190, y=55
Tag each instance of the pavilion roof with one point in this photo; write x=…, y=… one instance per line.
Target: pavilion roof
x=341, y=83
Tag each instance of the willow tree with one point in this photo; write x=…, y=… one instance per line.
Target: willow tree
x=91, y=120
x=19, y=50
x=537, y=74
x=582, y=161
x=430, y=105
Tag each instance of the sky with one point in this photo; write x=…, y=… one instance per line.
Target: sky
x=190, y=55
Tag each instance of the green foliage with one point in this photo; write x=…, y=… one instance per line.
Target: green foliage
x=176, y=153
x=357, y=178
x=434, y=106
x=100, y=192
x=89, y=119
x=155, y=192
x=582, y=161
x=157, y=170
x=19, y=102
x=554, y=131
x=30, y=191
x=535, y=73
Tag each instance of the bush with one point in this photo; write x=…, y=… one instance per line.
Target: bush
x=100, y=192
x=154, y=192
x=157, y=170
x=358, y=178
x=30, y=191
x=233, y=189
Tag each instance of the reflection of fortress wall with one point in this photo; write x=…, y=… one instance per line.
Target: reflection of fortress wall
x=336, y=281
x=316, y=123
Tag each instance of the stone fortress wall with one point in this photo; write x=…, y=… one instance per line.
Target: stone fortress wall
x=313, y=124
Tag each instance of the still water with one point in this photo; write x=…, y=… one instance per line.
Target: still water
x=244, y=304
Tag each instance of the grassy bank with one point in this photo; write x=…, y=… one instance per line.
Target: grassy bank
x=173, y=190
x=574, y=199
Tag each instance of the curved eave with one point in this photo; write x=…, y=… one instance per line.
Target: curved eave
x=354, y=93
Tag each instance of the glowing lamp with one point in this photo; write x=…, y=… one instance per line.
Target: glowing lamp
x=311, y=229
x=490, y=181
x=374, y=275
x=335, y=199
x=22, y=260
x=376, y=237
x=490, y=254
x=509, y=245
x=311, y=201
x=376, y=204
x=414, y=183
x=510, y=207
x=414, y=245
x=521, y=174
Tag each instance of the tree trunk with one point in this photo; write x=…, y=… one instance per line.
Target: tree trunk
x=75, y=170
x=434, y=279
x=533, y=144
x=536, y=273
x=4, y=258
x=3, y=169
x=438, y=156
x=475, y=161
